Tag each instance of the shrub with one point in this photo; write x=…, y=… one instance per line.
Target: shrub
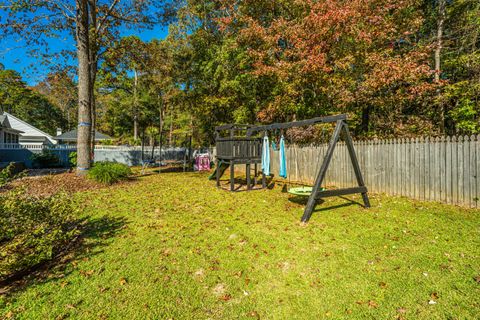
x=8, y=174
x=33, y=230
x=109, y=172
x=45, y=159
x=72, y=158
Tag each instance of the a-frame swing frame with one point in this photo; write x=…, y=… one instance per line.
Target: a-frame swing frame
x=341, y=130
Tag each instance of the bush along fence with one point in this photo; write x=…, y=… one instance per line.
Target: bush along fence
x=131, y=156
x=444, y=169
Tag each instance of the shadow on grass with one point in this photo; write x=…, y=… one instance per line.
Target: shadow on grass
x=93, y=237
x=171, y=169
x=241, y=184
x=302, y=200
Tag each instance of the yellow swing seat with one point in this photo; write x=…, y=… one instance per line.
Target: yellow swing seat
x=302, y=191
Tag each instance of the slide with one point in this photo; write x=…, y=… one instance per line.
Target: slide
x=222, y=167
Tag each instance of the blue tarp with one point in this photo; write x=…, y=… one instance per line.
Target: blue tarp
x=283, y=159
x=266, y=156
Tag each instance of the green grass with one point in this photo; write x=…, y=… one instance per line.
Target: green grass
x=173, y=246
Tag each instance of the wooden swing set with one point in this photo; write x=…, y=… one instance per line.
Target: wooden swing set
x=242, y=145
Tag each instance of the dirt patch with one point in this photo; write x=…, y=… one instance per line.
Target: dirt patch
x=51, y=184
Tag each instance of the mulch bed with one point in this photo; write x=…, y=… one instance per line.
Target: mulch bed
x=43, y=186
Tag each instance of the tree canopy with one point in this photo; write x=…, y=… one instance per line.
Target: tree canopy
x=397, y=68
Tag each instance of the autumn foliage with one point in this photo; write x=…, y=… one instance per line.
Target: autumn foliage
x=347, y=54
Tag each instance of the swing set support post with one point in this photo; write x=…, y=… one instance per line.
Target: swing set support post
x=356, y=166
x=323, y=170
x=249, y=182
x=317, y=193
x=232, y=176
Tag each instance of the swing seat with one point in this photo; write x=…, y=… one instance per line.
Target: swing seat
x=302, y=191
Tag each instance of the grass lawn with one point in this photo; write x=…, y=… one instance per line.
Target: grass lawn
x=173, y=246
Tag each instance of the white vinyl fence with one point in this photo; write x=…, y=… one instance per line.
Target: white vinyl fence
x=129, y=155
x=444, y=169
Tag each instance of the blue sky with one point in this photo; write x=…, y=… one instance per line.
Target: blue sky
x=14, y=54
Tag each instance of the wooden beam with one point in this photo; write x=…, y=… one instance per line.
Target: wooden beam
x=300, y=123
x=230, y=126
x=312, y=200
x=340, y=192
x=232, y=177
x=356, y=166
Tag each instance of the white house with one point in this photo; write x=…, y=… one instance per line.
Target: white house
x=29, y=134
x=8, y=134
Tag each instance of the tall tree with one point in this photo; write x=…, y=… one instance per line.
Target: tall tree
x=27, y=104
x=93, y=25
x=60, y=89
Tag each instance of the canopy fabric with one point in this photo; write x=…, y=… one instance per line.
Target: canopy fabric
x=283, y=159
x=266, y=156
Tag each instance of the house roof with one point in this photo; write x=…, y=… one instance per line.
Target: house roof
x=5, y=124
x=24, y=138
x=26, y=128
x=72, y=136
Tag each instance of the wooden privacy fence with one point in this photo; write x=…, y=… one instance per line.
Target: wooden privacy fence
x=444, y=169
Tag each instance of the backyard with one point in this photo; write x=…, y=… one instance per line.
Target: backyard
x=173, y=246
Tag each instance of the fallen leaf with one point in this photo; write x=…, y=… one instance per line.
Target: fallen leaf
x=86, y=273
x=401, y=310
x=219, y=289
x=238, y=274
x=199, y=273
x=63, y=284
x=253, y=314
x=477, y=279
x=9, y=315
x=70, y=306
x=372, y=304
x=382, y=285
x=225, y=297
x=123, y=281
x=431, y=302
x=434, y=296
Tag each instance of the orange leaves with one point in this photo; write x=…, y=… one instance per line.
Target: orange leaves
x=372, y=304
x=225, y=297
x=345, y=51
x=123, y=281
x=86, y=273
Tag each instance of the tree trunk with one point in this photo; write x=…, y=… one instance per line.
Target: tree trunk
x=438, y=52
x=84, y=92
x=135, y=106
x=170, y=134
x=93, y=71
x=160, y=127
x=365, y=124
